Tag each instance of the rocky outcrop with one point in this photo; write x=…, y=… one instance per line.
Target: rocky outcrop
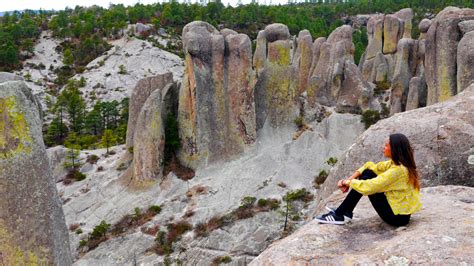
x=465, y=60
x=32, y=226
x=430, y=237
x=149, y=136
x=335, y=80
x=152, y=100
x=384, y=32
x=405, y=69
x=303, y=59
x=442, y=53
x=216, y=106
x=140, y=94
x=442, y=137
x=275, y=90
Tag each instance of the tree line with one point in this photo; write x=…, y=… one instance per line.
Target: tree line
x=103, y=125
x=83, y=29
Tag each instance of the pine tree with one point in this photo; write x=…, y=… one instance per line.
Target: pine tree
x=68, y=59
x=108, y=139
x=73, y=160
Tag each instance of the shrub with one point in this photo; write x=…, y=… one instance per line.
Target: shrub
x=122, y=167
x=201, y=230
x=262, y=202
x=73, y=175
x=100, y=169
x=79, y=231
x=155, y=209
x=122, y=70
x=321, y=177
x=299, y=194
x=92, y=159
x=247, y=202
x=100, y=230
x=268, y=204
x=370, y=117
x=83, y=243
x=299, y=121
x=332, y=161
x=221, y=259
x=164, y=241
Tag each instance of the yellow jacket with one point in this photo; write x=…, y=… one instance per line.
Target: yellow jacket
x=392, y=180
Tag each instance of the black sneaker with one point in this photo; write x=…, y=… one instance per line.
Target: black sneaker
x=330, y=218
x=347, y=216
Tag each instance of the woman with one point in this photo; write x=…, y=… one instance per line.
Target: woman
x=392, y=186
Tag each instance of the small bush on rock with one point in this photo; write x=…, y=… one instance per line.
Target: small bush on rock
x=370, y=117
x=332, y=161
x=92, y=159
x=320, y=178
x=221, y=260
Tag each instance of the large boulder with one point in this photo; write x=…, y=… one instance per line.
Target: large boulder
x=465, y=61
x=335, y=80
x=216, y=110
x=32, y=225
x=430, y=237
x=384, y=33
x=441, y=136
x=303, y=59
x=405, y=69
x=327, y=77
x=140, y=94
x=442, y=40
x=375, y=36
x=149, y=137
x=275, y=90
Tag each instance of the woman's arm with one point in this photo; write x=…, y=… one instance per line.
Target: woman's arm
x=377, y=168
x=375, y=185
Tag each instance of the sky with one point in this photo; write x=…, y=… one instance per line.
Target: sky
x=10, y=5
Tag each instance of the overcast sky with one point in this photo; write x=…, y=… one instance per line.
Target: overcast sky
x=10, y=5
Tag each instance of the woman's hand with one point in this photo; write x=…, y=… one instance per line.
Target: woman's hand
x=341, y=184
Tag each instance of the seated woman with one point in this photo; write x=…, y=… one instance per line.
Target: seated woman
x=392, y=186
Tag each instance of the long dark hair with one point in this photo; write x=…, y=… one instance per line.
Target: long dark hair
x=402, y=153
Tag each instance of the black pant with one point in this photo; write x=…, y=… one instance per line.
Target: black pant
x=378, y=200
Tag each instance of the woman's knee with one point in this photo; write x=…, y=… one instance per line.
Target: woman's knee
x=367, y=174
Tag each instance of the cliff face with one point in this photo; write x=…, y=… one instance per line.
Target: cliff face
x=431, y=237
x=32, y=226
x=216, y=106
x=442, y=41
x=225, y=100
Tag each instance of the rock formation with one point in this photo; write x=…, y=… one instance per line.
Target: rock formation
x=149, y=136
x=32, y=225
x=275, y=90
x=303, y=59
x=140, y=94
x=465, y=59
x=216, y=106
x=443, y=71
x=404, y=70
x=430, y=237
x=152, y=99
x=334, y=78
x=441, y=136
x=384, y=32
